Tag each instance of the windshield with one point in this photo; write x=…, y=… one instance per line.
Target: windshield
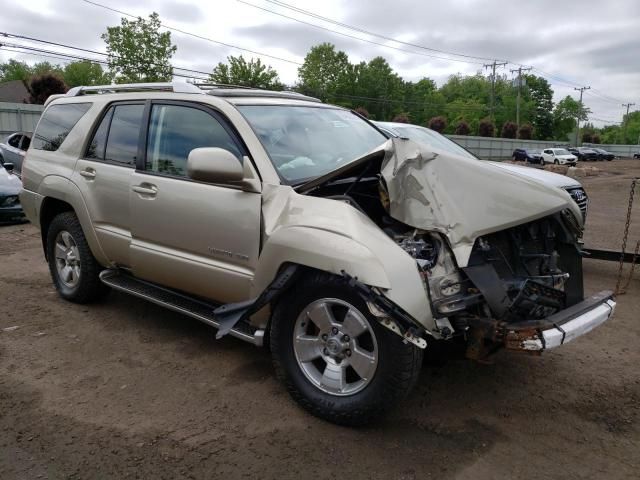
x=561, y=151
x=534, y=152
x=434, y=139
x=307, y=142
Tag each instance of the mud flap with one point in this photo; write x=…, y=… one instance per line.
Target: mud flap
x=229, y=315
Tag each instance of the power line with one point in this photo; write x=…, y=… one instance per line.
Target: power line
x=121, y=12
x=368, y=32
x=95, y=52
x=71, y=57
x=354, y=37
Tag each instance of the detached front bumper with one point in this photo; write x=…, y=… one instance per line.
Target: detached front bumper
x=562, y=327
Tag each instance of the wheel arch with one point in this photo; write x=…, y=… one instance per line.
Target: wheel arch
x=60, y=194
x=378, y=265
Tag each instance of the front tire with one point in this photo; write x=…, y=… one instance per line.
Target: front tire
x=74, y=270
x=333, y=356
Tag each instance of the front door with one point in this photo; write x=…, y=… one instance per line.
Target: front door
x=103, y=175
x=192, y=236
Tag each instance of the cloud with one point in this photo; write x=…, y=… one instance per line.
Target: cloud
x=576, y=41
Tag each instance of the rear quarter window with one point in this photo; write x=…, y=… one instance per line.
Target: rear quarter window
x=56, y=123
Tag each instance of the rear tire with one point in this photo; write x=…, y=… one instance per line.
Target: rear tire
x=74, y=270
x=349, y=383
x=556, y=162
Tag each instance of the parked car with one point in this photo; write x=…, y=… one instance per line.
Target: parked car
x=559, y=156
x=636, y=155
x=10, y=186
x=527, y=155
x=14, y=148
x=603, y=154
x=435, y=139
x=271, y=215
x=584, y=154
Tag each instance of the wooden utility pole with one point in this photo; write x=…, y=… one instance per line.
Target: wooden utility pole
x=493, y=83
x=625, y=121
x=519, y=70
x=581, y=89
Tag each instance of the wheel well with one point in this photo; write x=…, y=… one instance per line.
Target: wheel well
x=48, y=211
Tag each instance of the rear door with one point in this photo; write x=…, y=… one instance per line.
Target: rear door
x=198, y=237
x=103, y=175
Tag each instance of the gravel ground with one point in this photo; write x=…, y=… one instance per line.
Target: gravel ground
x=124, y=389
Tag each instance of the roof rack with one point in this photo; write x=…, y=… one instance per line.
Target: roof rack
x=211, y=86
x=176, y=87
x=216, y=89
x=259, y=93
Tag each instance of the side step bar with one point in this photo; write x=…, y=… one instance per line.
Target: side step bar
x=178, y=302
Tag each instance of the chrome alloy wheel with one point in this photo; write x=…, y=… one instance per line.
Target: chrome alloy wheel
x=335, y=346
x=67, y=259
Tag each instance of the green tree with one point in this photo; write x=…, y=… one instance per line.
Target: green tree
x=419, y=98
x=138, y=51
x=564, y=117
x=248, y=74
x=324, y=72
x=84, y=72
x=15, y=70
x=539, y=91
x=45, y=68
x=378, y=81
x=630, y=127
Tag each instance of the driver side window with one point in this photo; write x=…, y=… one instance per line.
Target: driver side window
x=175, y=130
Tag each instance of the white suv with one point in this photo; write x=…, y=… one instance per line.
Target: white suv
x=559, y=156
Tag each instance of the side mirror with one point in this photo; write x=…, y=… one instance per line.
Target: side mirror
x=8, y=166
x=214, y=165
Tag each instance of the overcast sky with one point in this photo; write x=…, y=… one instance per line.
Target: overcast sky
x=574, y=42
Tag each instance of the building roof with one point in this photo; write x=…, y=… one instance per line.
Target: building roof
x=14, y=91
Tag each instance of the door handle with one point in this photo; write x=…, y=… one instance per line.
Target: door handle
x=145, y=189
x=89, y=173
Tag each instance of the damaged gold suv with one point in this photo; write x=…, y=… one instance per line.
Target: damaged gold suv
x=287, y=222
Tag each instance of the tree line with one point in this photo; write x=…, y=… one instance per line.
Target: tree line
x=139, y=52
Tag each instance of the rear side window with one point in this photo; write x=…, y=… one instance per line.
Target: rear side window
x=124, y=132
x=175, y=130
x=99, y=141
x=56, y=123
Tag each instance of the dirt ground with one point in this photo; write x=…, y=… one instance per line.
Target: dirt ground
x=124, y=389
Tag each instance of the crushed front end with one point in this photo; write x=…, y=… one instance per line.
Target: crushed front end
x=522, y=288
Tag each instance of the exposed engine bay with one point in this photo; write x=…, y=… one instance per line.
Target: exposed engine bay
x=524, y=273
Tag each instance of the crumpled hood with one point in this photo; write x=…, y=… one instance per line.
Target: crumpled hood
x=461, y=197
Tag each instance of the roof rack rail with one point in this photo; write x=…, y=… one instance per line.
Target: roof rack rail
x=176, y=87
x=256, y=92
x=210, y=86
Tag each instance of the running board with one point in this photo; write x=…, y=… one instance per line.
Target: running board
x=178, y=302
